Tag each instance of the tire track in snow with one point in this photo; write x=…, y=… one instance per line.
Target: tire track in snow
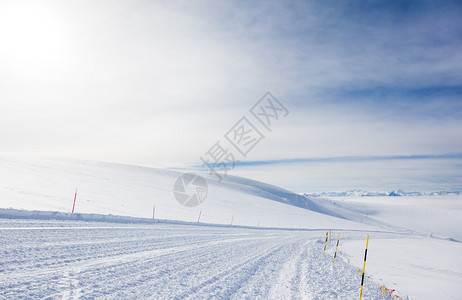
x=94, y=267
x=291, y=283
x=225, y=283
x=163, y=272
x=171, y=262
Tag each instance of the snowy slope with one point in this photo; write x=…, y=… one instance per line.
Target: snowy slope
x=49, y=184
x=414, y=244
x=435, y=216
x=426, y=261
x=425, y=268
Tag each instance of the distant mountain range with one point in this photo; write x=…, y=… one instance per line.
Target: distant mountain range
x=395, y=193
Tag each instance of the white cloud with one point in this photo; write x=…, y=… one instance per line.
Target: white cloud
x=157, y=83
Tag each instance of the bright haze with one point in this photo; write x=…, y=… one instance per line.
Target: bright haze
x=373, y=88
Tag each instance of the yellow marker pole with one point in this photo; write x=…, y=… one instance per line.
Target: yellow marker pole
x=364, y=268
x=325, y=243
x=336, y=247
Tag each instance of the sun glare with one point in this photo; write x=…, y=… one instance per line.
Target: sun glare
x=30, y=35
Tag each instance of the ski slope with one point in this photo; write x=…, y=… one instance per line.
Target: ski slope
x=49, y=184
x=75, y=260
x=116, y=250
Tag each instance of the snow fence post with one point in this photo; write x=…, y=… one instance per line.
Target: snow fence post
x=198, y=219
x=153, y=211
x=325, y=243
x=75, y=197
x=335, y=255
x=232, y=219
x=364, y=268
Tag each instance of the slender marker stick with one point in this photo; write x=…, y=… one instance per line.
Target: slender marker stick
x=198, y=219
x=75, y=197
x=335, y=255
x=364, y=268
x=325, y=243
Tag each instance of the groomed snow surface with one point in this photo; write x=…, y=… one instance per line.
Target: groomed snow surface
x=112, y=249
x=87, y=260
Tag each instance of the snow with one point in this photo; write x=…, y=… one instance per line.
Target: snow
x=168, y=261
x=435, y=216
x=422, y=267
x=112, y=248
x=49, y=184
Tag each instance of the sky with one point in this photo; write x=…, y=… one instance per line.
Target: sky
x=372, y=88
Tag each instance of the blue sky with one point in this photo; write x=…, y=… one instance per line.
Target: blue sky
x=156, y=83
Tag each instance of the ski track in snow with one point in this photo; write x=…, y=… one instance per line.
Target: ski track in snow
x=169, y=262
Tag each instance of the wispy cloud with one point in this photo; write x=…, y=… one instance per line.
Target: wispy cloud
x=349, y=159
x=158, y=82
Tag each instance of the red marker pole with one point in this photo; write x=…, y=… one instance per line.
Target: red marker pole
x=75, y=197
x=153, y=212
x=198, y=219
